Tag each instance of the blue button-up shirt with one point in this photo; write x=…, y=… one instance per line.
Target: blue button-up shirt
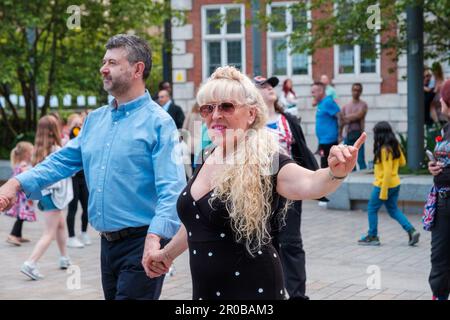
x=131, y=160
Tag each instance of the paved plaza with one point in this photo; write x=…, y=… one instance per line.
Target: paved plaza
x=337, y=268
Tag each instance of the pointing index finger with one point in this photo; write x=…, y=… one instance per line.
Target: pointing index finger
x=360, y=141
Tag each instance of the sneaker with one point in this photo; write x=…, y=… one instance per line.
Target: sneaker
x=85, y=239
x=439, y=298
x=64, y=262
x=322, y=204
x=172, y=271
x=369, y=241
x=24, y=240
x=413, y=237
x=31, y=271
x=13, y=240
x=73, y=242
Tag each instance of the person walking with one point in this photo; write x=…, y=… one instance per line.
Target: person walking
x=23, y=209
x=436, y=216
x=128, y=151
x=288, y=132
x=388, y=159
x=80, y=194
x=55, y=198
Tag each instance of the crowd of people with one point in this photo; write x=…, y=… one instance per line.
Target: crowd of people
x=228, y=188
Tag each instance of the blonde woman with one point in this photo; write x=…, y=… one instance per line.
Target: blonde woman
x=227, y=207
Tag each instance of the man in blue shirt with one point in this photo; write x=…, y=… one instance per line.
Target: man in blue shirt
x=327, y=127
x=128, y=150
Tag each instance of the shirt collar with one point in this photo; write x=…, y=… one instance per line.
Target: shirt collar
x=167, y=105
x=130, y=105
x=324, y=99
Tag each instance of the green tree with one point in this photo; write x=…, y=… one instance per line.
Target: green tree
x=46, y=47
x=350, y=22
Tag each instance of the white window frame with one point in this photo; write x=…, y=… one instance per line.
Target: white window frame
x=303, y=78
x=357, y=75
x=223, y=37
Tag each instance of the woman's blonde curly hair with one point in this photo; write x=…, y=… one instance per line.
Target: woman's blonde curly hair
x=246, y=185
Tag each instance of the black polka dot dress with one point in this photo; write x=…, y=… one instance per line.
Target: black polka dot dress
x=221, y=268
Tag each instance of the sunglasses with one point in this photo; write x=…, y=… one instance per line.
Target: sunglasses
x=227, y=108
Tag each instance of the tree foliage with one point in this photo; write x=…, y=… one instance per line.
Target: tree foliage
x=349, y=22
x=44, y=52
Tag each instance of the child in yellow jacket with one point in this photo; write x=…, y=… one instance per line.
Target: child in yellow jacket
x=388, y=159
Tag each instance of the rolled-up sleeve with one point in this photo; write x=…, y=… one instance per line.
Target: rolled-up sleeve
x=170, y=179
x=59, y=165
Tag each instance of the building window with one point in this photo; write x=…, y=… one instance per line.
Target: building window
x=281, y=60
x=357, y=59
x=223, y=37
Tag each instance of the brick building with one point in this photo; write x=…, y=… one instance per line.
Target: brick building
x=200, y=46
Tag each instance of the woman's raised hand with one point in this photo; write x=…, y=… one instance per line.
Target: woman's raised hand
x=342, y=158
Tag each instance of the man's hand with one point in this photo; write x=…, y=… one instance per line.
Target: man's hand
x=159, y=263
x=8, y=194
x=152, y=245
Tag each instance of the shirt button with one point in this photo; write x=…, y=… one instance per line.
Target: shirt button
x=98, y=212
x=103, y=167
x=127, y=113
x=99, y=190
x=107, y=144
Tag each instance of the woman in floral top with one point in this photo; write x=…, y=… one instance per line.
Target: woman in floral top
x=23, y=209
x=439, y=221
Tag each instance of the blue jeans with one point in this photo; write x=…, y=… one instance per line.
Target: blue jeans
x=350, y=140
x=391, y=205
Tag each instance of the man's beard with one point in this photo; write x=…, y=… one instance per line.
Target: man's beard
x=119, y=85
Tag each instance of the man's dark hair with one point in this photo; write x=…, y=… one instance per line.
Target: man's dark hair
x=137, y=48
x=161, y=85
x=319, y=84
x=359, y=85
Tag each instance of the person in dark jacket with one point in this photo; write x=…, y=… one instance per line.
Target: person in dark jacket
x=287, y=129
x=174, y=111
x=436, y=217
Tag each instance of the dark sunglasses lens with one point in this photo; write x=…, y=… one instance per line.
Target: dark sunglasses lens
x=205, y=110
x=227, y=107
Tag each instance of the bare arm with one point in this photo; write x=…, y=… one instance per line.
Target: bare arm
x=178, y=244
x=297, y=183
x=356, y=115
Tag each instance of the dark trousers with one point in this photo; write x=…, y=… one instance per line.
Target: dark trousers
x=80, y=193
x=17, y=228
x=292, y=254
x=324, y=152
x=350, y=140
x=440, y=251
x=123, y=276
